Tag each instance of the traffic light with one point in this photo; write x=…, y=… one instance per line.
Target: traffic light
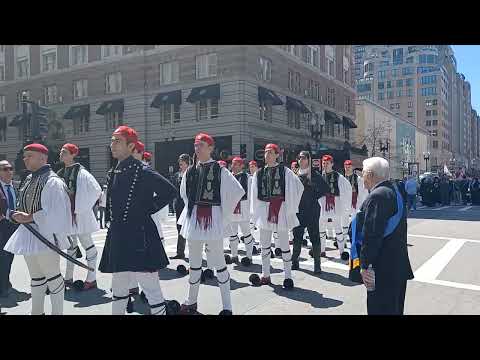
x=40, y=122
x=243, y=151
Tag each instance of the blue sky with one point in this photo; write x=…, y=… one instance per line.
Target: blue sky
x=468, y=57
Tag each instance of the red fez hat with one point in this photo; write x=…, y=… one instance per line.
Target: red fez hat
x=204, y=137
x=140, y=147
x=293, y=163
x=347, y=162
x=253, y=162
x=327, y=158
x=128, y=133
x=237, y=159
x=222, y=163
x=147, y=156
x=272, y=147
x=36, y=147
x=72, y=148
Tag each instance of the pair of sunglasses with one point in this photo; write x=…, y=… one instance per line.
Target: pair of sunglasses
x=7, y=168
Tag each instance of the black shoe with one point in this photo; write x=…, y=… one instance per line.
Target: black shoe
x=235, y=260
x=295, y=265
x=178, y=256
x=225, y=313
x=288, y=284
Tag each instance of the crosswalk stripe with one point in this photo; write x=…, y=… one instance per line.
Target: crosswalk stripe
x=441, y=208
x=465, y=208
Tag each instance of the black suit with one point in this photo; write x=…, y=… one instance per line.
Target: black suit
x=389, y=255
x=7, y=228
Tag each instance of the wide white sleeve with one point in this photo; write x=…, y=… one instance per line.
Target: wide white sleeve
x=183, y=195
x=88, y=192
x=253, y=195
x=345, y=192
x=231, y=192
x=55, y=216
x=362, y=192
x=293, y=191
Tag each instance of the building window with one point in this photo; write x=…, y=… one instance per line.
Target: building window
x=2, y=72
x=434, y=133
x=389, y=94
x=113, y=83
x=381, y=85
x=410, y=114
x=49, y=58
x=206, y=109
x=111, y=50
x=389, y=84
x=169, y=114
x=80, y=89
x=297, y=86
x=429, y=79
x=394, y=73
x=113, y=120
x=435, y=144
x=382, y=74
x=315, y=57
x=435, y=122
x=410, y=92
x=50, y=94
x=293, y=118
x=81, y=124
x=266, y=111
x=206, y=65
x=434, y=112
x=169, y=73
x=265, y=69
x=290, y=80
x=428, y=113
x=347, y=104
x=2, y=103
x=392, y=106
x=330, y=59
x=78, y=54
x=317, y=95
x=331, y=97
x=409, y=82
x=397, y=56
x=409, y=60
x=399, y=83
x=410, y=104
x=407, y=70
x=428, y=123
x=399, y=92
x=22, y=69
x=381, y=96
x=429, y=91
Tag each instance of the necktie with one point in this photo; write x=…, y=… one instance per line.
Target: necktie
x=11, y=202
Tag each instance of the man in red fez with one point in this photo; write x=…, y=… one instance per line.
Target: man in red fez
x=333, y=206
x=241, y=216
x=210, y=193
x=84, y=191
x=252, y=167
x=43, y=202
x=133, y=247
x=276, y=194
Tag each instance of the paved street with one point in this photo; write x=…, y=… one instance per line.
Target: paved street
x=444, y=245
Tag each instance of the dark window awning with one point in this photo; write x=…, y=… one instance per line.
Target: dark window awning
x=111, y=106
x=265, y=94
x=332, y=116
x=17, y=120
x=297, y=104
x=77, y=111
x=349, y=122
x=204, y=92
x=172, y=97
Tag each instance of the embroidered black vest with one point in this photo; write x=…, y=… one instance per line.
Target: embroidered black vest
x=353, y=179
x=271, y=182
x=70, y=175
x=203, y=185
x=332, y=181
x=30, y=196
x=243, y=180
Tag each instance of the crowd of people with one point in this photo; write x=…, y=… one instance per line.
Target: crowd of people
x=56, y=211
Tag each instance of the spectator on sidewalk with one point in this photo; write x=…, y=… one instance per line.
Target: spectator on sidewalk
x=475, y=191
x=411, y=187
x=444, y=191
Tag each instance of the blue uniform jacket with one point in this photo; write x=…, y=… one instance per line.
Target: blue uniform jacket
x=132, y=242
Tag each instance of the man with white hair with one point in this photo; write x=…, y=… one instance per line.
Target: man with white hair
x=44, y=203
x=383, y=255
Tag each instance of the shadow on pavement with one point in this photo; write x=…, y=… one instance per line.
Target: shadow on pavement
x=234, y=284
x=254, y=268
x=170, y=274
x=14, y=297
x=307, y=296
x=87, y=298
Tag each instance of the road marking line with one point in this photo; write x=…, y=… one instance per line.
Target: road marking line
x=441, y=208
x=443, y=238
x=465, y=208
x=450, y=284
x=434, y=266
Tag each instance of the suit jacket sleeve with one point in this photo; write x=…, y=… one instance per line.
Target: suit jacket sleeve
x=164, y=190
x=373, y=228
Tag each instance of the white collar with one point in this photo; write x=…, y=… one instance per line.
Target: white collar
x=5, y=184
x=205, y=162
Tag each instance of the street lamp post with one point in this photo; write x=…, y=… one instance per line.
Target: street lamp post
x=426, y=157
